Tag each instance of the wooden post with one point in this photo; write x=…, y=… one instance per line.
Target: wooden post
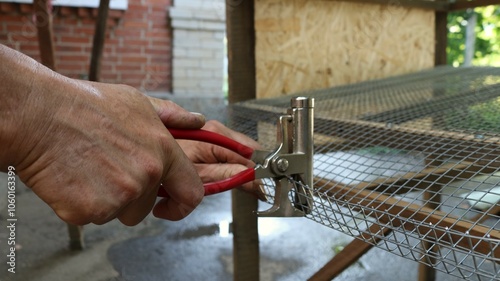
x=242, y=86
x=44, y=30
x=99, y=38
x=441, y=38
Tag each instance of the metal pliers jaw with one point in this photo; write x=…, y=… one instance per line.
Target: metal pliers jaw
x=290, y=164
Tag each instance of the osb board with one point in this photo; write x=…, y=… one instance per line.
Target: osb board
x=310, y=44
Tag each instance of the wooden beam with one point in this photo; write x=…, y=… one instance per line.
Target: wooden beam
x=430, y=5
x=99, y=38
x=463, y=5
x=242, y=86
x=351, y=253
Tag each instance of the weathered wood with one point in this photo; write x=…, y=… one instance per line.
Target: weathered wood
x=241, y=84
x=351, y=253
x=441, y=38
x=99, y=39
x=42, y=9
x=241, y=50
x=464, y=4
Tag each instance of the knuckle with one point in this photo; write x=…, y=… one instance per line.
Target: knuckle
x=153, y=168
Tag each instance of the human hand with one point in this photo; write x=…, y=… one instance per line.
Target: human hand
x=94, y=152
x=215, y=163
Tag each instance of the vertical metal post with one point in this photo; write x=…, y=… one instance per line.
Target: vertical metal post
x=303, y=142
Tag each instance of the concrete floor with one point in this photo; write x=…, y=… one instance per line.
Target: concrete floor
x=196, y=248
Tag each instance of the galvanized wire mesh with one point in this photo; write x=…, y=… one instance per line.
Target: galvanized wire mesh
x=409, y=164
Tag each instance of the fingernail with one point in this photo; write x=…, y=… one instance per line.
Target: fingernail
x=200, y=116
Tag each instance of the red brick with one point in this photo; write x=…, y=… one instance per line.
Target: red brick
x=130, y=49
x=8, y=7
x=66, y=48
x=17, y=37
x=84, y=30
x=75, y=58
x=135, y=24
x=26, y=8
x=129, y=33
x=134, y=59
x=65, y=11
x=136, y=42
x=73, y=66
x=83, y=12
x=73, y=39
x=135, y=6
x=115, y=14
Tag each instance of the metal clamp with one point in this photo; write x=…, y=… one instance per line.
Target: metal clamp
x=291, y=164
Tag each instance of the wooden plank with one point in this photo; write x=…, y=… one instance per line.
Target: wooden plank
x=241, y=82
x=99, y=38
x=351, y=253
x=429, y=223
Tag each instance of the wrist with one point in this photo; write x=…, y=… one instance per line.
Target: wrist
x=25, y=95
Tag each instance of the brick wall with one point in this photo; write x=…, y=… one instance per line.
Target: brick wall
x=137, y=49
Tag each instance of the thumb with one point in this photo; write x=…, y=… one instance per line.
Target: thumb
x=174, y=116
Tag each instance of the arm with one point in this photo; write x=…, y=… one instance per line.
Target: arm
x=93, y=151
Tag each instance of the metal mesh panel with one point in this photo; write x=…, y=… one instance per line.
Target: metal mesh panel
x=409, y=164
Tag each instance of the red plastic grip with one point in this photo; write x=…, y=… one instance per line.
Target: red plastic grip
x=213, y=138
x=223, y=185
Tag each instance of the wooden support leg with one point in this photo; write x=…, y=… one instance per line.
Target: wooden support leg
x=76, y=241
x=241, y=82
x=245, y=237
x=350, y=254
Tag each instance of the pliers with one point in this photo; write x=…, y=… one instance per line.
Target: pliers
x=289, y=165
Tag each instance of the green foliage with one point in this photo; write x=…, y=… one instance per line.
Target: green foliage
x=487, y=45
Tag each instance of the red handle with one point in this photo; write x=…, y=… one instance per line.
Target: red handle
x=213, y=138
x=223, y=185
x=220, y=140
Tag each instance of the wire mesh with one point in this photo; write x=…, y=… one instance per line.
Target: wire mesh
x=409, y=164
